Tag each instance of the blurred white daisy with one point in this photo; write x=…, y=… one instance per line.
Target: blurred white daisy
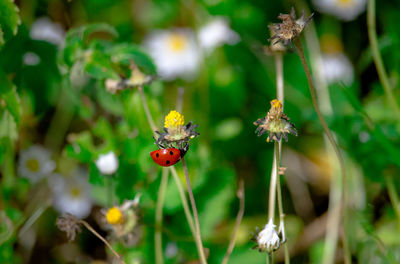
x=35, y=163
x=107, y=163
x=45, y=29
x=175, y=53
x=217, y=33
x=343, y=9
x=71, y=195
x=31, y=58
x=337, y=68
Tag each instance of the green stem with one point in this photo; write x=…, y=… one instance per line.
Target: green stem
x=147, y=110
x=195, y=214
x=159, y=216
x=371, y=23
x=394, y=198
x=240, y=195
x=343, y=204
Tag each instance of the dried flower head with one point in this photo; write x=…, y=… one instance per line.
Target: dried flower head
x=69, y=224
x=267, y=239
x=176, y=133
x=290, y=27
x=276, y=123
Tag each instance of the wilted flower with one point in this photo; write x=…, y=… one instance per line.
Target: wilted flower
x=290, y=27
x=70, y=225
x=216, y=33
x=35, y=163
x=267, y=239
x=45, y=29
x=107, y=163
x=71, y=195
x=346, y=10
x=175, y=53
x=176, y=133
x=276, y=123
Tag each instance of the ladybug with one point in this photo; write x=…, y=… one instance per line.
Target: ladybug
x=168, y=156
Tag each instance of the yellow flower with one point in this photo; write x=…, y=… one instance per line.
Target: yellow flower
x=276, y=103
x=114, y=216
x=174, y=120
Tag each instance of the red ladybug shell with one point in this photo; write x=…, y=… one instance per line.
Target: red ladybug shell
x=166, y=157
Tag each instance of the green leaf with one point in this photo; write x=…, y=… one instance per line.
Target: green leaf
x=8, y=127
x=81, y=148
x=9, y=97
x=99, y=66
x=9, y=20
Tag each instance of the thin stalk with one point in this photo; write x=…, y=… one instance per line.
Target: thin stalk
x=102, y=239
x=373, y=40
x=195, y=214
x=279, y=76
x=146, y=109
x=159, y=216
x=184, y=200
x=280, y=209
x=240, y=195
x=330, y=256
x=179, y=99
x=272, y=185
x=174, y=174
x=394, y=198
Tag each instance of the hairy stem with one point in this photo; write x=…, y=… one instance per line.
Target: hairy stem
x=279, y=76
x=159, y=216
x=195, y=214
x=373, y=40
x=330, y=254
x=239, y=217
x=102, y=239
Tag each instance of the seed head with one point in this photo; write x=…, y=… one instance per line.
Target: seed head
x=69, y=224
x=267, y=239
x=276, y=123
x=290, y=27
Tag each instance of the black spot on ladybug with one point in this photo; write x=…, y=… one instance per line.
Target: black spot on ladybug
x=157, y=155
x=171, y=153
x=168, y=162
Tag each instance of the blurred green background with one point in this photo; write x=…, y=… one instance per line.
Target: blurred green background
x=55, y=59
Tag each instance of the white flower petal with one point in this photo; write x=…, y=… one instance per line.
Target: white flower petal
x=175, y=53
x=35, y=163
x=343, y=9
x=337, y=68
x=216, y=33
x=45, y=29
x=107, y=163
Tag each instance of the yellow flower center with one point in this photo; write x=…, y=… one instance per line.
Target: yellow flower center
x=174, y=120
x=177, y=42
x=345, y=3
x=114, y=216
x=33, y=165
x=75, y=192
x=276, y=103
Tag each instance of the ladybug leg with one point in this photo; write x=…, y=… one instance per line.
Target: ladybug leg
x=184, y=149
